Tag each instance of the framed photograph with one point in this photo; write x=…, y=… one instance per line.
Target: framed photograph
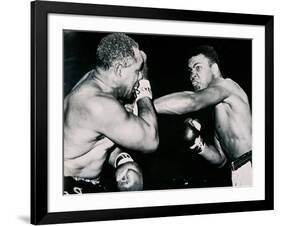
x=145, y=112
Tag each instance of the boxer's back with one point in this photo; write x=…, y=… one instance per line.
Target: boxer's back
x=85, y=150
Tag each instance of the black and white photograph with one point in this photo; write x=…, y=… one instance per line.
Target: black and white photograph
x=149, y=112
x=140, y=112
x=152, y=112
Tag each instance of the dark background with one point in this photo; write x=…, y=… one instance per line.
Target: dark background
x=172, y=165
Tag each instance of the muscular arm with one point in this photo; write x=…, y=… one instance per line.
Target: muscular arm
x=213, y=155
x=125, y=129
x=113, y=156
x=187, y=101
x=147, y=113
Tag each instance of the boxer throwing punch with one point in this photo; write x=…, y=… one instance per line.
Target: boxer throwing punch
x=233, y=122
x=97, y=125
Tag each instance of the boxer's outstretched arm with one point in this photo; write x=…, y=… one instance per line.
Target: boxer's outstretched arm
x=174, y=103
x=187, y=101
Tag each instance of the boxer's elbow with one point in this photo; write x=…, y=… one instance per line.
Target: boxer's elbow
x=221, y=163
x=154, y=143
x=151, y=142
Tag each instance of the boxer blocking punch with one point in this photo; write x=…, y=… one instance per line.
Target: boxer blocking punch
x=128, y=174
x=97, y=126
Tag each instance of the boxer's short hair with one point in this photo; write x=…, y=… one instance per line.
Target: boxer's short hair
x=115, y=47
x=207, y=51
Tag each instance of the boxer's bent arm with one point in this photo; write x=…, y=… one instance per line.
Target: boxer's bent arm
x=213, y=155
x=124, y=128
x=147, y=113
x=187, y=101
x=113, y=155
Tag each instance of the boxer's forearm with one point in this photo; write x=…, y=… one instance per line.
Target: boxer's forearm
x=145, y=71
x=147, y=113
x=213, y=156
x=175, y=103
x=113, y=155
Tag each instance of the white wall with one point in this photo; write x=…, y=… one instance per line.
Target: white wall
x=14, y=120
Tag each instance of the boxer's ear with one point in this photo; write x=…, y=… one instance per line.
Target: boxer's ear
x=215, y=68
x=118, y=69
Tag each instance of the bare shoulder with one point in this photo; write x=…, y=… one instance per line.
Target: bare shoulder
x=226, y=83
x=222, y=82
x=224, y=86
x=234, y=85
x=231, y=82
x=103, y=106
x=236, y=90
x=230, y=89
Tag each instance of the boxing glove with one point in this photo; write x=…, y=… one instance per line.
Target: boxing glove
x=192, y=137
x=143, y=90
x=128, y=174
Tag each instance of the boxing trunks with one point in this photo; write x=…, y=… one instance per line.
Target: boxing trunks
x=76, y=185
x=242, y=170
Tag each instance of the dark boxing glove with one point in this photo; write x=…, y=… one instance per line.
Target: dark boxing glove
x=192, y=131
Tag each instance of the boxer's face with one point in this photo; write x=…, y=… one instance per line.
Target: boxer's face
x=200, y=73
x=132, y=74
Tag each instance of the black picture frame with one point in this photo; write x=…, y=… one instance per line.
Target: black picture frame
x=39, y=112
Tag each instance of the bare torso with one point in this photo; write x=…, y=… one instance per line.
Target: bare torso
x=233, y=123
x=85, y=150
